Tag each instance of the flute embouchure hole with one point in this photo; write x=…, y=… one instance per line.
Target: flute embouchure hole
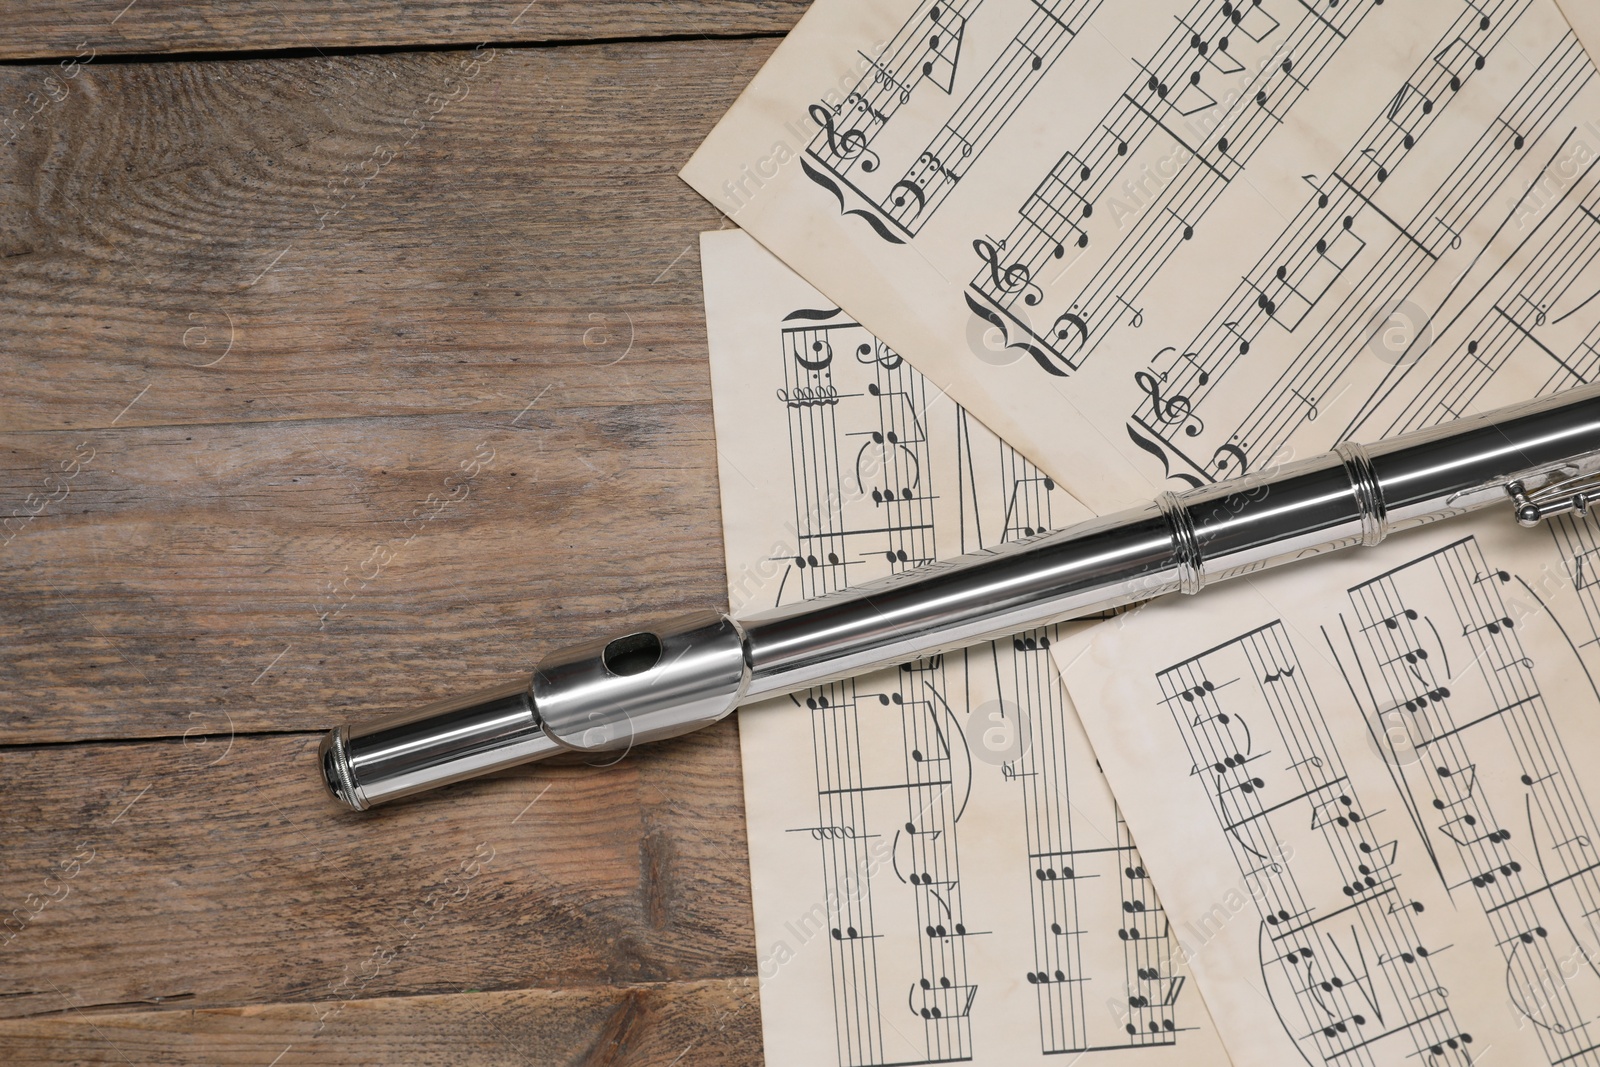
x=633, y=654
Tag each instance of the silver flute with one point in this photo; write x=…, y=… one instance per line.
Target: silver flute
x=604, y=696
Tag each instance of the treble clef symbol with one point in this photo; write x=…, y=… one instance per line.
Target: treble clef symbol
x=848, y=144
x=1169, y=409
x=878, y=353
x=1010, y=279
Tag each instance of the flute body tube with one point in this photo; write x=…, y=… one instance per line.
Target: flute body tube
x=606, y=696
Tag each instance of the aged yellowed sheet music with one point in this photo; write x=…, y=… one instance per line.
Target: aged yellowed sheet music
x=940, y=873
x=1365, y=787
x=1157, y=243
x=1584, y=15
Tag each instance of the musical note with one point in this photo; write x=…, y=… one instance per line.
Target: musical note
x=1136, y=319
x=1343, y=815
x=1202, y=377
x=1392, y=622
x=1249, y=365
x=944, y=47
x=1455, y=234
x=1340, y=1026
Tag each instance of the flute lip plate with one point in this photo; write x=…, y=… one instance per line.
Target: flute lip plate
x=334, y=759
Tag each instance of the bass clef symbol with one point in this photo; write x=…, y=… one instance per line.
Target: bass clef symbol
x=908, y=192
x=822, y=352
x=1013, y=278
x=849, y=144
x=1070, y=323
x=1169, y=409
x=1230, y=456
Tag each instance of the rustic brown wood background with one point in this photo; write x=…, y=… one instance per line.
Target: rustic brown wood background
x=270, y=273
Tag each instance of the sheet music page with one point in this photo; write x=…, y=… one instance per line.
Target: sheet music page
x=1153, y=244
x=939, y=870
x=1585, y=19
x=1363, y=786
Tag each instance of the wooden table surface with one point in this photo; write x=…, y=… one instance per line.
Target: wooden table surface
x=277, y=281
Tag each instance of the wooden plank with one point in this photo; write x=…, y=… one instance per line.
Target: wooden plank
x=60, y=28
x=707, y=1023
x=142, y=874
x=198, y=538
x=300, y=239
x=214, y=579
x=320, y=403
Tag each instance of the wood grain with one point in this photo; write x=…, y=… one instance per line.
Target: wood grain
x=706, y=1023
x=332, y=386
x=282, y=539
x=219, y=579
x=362, y=255
x=59, y=28
x=203, y=876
